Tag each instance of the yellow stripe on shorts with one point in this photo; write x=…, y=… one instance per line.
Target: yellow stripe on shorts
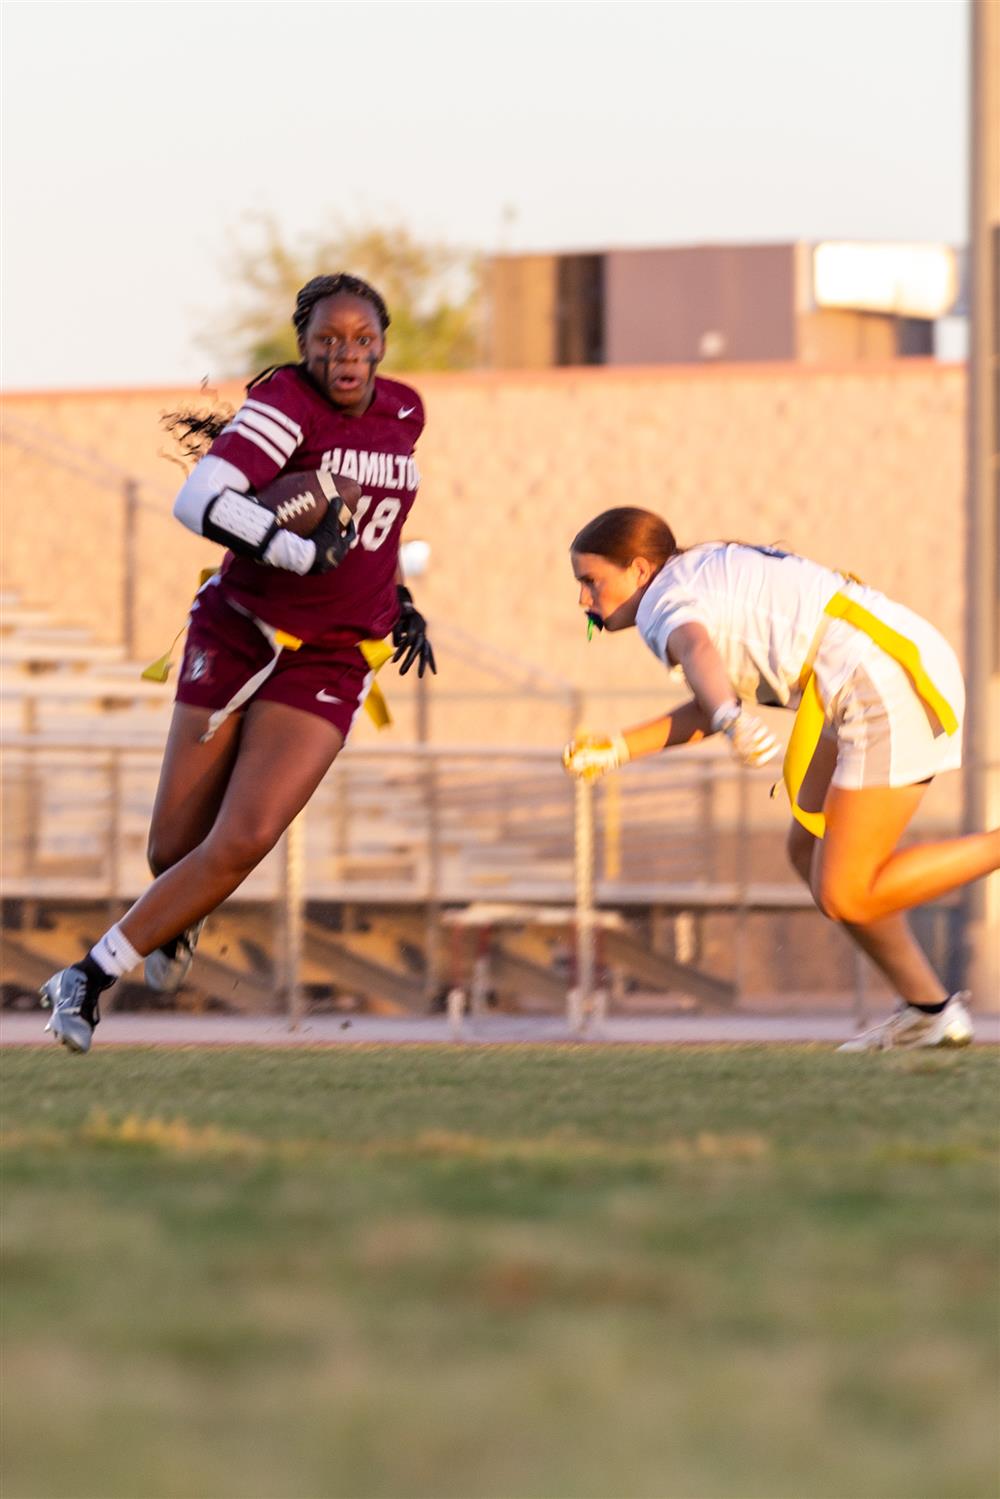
x=810, y=717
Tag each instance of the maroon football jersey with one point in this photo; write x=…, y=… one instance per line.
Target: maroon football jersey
x=285, y=423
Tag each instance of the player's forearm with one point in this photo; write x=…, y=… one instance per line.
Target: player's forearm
x=590, y=756
x=686, y=725
x=215, y=502
x=691, y=648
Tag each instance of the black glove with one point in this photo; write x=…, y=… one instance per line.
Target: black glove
x=333, y=540
x=409, y=635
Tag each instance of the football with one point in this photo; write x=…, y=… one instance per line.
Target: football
x=300, y=501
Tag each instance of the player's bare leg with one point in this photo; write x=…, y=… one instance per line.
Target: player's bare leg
x=889, y=942
x=193, y=780
x=283, y=755
x=850, y=857
x=861, y=875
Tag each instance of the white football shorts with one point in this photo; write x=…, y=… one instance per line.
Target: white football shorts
x=886, y=734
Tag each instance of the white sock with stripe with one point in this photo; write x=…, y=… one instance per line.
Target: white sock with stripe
x=114, y=953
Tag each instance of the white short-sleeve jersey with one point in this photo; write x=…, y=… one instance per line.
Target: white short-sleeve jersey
x=764, y=613
x=762, y=609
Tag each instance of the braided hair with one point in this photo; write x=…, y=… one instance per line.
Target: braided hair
x=333, y=286
x=195, y=431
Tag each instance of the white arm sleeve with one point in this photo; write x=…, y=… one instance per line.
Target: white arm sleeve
x=209, y=477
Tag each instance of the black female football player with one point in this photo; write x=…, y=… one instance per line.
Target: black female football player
x=274, y=669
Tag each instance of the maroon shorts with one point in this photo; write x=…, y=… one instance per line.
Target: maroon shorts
x=225, y=649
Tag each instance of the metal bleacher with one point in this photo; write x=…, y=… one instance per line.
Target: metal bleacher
x=416, y=858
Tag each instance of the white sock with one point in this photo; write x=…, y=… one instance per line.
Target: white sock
x=114, y=953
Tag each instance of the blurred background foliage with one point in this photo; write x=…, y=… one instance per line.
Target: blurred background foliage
x=433, y=292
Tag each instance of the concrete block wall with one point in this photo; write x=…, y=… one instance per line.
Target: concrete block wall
x=860, y=467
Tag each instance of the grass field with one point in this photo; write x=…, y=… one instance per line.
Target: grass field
x=517, y=1272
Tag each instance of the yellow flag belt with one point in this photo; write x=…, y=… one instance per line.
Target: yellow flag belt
x=810, y=716
x=375, y=652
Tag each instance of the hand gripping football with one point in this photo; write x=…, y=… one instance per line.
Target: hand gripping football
x=300, y=502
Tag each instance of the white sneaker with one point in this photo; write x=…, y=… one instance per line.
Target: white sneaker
x=73, y=999
x=166, y=967
x=909, y=1028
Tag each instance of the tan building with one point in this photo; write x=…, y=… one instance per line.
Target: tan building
x=811, y=304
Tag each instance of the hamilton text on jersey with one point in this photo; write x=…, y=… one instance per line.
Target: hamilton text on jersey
x=383, y=470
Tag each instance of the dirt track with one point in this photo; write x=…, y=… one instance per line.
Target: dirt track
x=331, y=1030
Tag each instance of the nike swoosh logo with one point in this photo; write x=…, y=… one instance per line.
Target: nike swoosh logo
x=327, y=697
x=406, y=411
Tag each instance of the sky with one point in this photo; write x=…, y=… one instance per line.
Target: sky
x=139, y=140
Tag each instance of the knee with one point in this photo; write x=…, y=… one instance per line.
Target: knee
x=162, y=852
x=154, y=856
x=240, y=850
x=841, y=900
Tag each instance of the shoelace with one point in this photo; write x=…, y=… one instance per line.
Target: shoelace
x=81, y=1002
x=74, y=1005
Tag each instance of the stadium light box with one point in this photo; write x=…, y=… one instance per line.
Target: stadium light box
x=918, y=281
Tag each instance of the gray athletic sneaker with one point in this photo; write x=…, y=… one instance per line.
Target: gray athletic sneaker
x=909, y=1028
x=166, y=968
x=75, y=1013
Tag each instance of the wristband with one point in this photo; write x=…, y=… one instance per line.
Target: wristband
x=723, y=718
x=620, y=746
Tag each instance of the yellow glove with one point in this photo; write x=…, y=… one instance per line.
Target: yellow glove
x=590, y=756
